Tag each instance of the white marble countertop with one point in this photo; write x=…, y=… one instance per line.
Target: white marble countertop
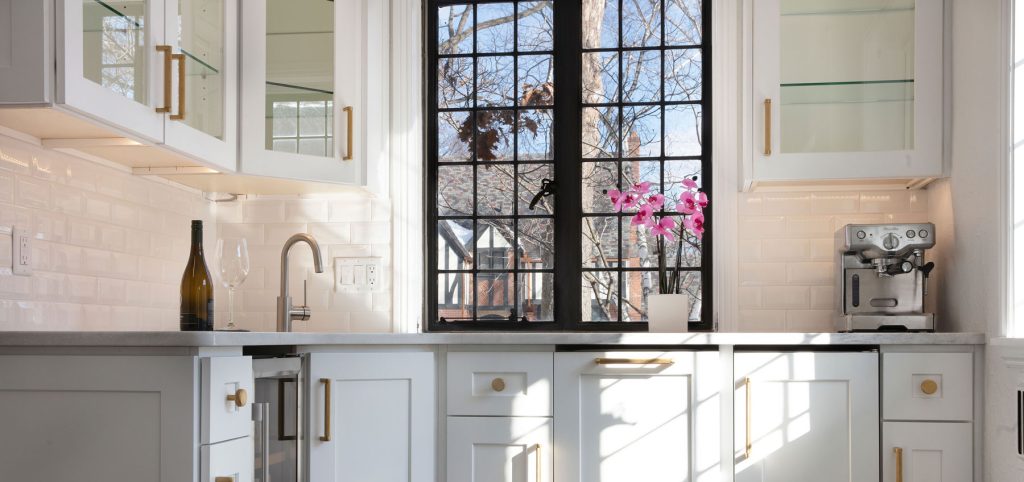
x=217, y=339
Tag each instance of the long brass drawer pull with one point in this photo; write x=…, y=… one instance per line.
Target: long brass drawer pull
x=749, y=447
x=540, y=471
x=326, y=437
x=899, y=463
x=166, y=49
x=181, y=87
x=767, y=127
x=634, y=361
x=349, y=141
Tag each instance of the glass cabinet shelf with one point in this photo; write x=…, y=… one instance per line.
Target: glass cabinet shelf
x=852, y=92
x=844, y=7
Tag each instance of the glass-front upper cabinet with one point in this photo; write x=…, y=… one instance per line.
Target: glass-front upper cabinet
x=162, y=70
x=315, y=89
x=203, y=119
x=846, y=89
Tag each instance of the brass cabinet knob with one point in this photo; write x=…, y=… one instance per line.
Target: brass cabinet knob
x=498, y=384
x=241, y=397
x=929, y=387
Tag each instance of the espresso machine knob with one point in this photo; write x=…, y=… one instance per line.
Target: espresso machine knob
x=890, y=242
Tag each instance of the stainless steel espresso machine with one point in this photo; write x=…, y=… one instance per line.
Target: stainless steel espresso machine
x=882, y=278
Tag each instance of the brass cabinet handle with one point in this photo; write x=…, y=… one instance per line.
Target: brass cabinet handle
x=750, y=440
x=224, y=479
x=348, y=151
x=929, y=387
x=767, y=127
x=899, y=463
x=326, y=437
x=181, y=87
x=240, y=397
x=540, y=470
x=498, y=384
x=634, y=361
x=166, y=49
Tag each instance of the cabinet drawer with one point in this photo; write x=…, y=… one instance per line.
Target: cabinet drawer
x=499, y=449
x=227, y=395
x=927, y=386
x=927, y=452
x=504, y=383
x=231, y=460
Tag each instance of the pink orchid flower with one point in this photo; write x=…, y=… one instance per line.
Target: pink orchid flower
x=689, y=183
x=622, y=200
x=642, y=187
x=702, y=200
x=664, y=228
x=644, y=216
x=695, y=224
x=688, y=203
x=656, y=200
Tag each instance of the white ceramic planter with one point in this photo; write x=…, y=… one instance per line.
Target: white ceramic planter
x=668, y=313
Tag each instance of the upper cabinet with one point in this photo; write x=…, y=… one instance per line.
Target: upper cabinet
x=163, y=70
x=845, y=89
x=315, y=89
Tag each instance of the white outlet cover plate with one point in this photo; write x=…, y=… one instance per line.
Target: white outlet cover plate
x=347, y=269
x=21, y=252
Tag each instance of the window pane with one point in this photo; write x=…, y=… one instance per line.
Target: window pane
x=455, y=83
x=454, y=141
x=494, y=81
x=535, y=135
x=494, y=27
x=600, y=242
x=682, y=22
x=285, y=145
x=455, y=29
x=494, y=295
x=537, y=296
x=531, y=178
x=637, y=286
x=600, y=132
x=536, y=244
x=600, y=296
x=690, y=283
x=683, y=70
x=312, y=119
x=598, y=179
x=682, y=130
x=455, y=295
x=495, y=184
x=641, y=23
x=535, y=26
x=494, y=140
x=641, y=131
x=600, y=77
x=494, y=244
x=285, y=119
x=535, y=80
x=455, y=244
x=636, y=172
x=601, y=24
x=313, y=147
x=455, y=190
x=641, y=76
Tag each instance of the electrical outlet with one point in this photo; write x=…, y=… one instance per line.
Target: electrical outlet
x=21, y=251
x=357, y=274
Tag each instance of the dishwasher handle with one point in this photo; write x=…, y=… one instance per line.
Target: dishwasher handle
x=261, y=418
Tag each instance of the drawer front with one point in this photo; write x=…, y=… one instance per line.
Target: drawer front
x=499, y=449
x=927, y=386
x=227, y=396
x=230, y=461
x=500, y=383
x=927, y=452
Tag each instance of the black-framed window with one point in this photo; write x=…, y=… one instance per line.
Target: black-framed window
x=632, y=105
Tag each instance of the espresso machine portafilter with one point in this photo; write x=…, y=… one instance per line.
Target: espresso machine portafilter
x=882, y=277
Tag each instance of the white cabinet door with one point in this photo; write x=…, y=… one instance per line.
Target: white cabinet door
x=629, y=416
x=846, y=89
x=26, y=52
x=315, y=90
x=806, y=416
x=371, y=417
x=203, y=119
x=499, y=449
x=927, y=452
x=98, y=418
x=108, y=65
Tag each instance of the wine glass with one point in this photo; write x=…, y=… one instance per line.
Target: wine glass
x=233, y=264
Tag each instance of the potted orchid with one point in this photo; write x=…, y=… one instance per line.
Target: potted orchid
x=667, y=311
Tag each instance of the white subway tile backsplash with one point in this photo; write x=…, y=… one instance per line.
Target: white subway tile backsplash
x=32, y=193
x=263, y=211
x=306, y=211
x=787, y=251
x=7, y=187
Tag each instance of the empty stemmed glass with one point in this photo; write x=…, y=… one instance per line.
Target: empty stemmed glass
x=233, y=265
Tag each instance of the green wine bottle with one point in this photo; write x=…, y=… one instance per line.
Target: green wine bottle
x=196, y=287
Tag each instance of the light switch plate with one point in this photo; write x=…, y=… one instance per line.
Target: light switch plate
x=358, y=274
x=21, y=252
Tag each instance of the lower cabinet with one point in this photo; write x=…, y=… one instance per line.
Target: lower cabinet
x=371, y=417
x=631, y=416
x=927, y=452
x=499, y=449
x=229, y=461
x=806, y=416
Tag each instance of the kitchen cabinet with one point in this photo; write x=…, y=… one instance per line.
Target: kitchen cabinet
x=314, y=103
x=126, y=76
x=845, y=90
x=230, y=460
x=371, y=416
x=499, y=449
x=926, y=452
x=648, y=415
x=806, y=416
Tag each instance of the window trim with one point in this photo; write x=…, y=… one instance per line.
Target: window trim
x=568, y=54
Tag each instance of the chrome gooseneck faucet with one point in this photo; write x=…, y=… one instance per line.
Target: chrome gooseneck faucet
x=286, y=312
